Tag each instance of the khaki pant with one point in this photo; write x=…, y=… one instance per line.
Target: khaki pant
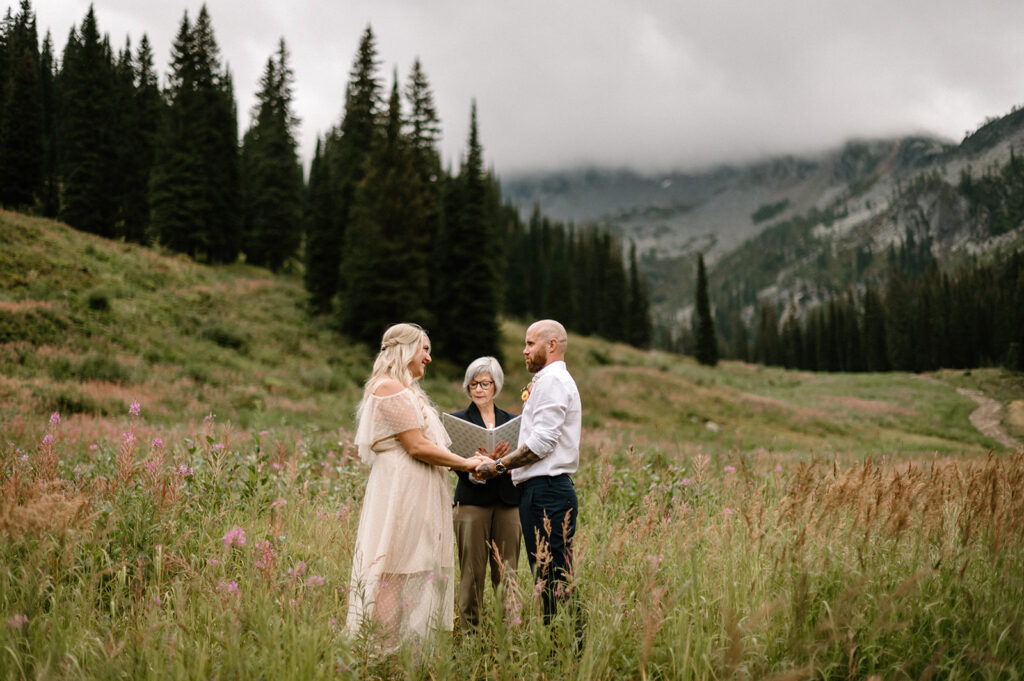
x=478, y=530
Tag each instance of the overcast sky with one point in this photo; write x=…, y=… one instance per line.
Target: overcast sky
x=647, y=84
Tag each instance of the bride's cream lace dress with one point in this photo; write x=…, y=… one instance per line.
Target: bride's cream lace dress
x=403, y=563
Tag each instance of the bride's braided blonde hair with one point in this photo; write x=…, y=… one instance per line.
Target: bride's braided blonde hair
x=397, y=348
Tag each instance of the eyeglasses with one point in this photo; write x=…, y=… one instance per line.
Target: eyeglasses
x=486, y=385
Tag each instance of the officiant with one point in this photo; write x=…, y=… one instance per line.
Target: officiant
x=487, y=530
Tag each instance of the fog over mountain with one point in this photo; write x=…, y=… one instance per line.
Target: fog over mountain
x=614, y=83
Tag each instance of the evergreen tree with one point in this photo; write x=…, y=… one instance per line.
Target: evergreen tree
x=87, y=141
x=707, y=342
x=21, y=116
x=468, y=310
x=639, y=305
x=195, y=193
x=740, y=347
x=270, y=170
x=344, y=157
x=385, y=265
x=321, y=280
x=423, y=133
x=899, y=318
x=876, y=355
x=50, y=193
x=767, y=345
x=143, y=111
x=122, y=122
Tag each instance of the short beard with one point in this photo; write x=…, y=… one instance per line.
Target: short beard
x=536, y=363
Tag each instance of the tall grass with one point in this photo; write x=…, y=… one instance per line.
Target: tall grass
x=216, y=553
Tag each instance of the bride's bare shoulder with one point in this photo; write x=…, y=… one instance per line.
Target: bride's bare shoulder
x=386, y=387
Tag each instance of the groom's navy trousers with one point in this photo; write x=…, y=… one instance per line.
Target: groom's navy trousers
x=553, y=499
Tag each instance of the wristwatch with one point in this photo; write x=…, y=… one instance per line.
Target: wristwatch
x=499, y=467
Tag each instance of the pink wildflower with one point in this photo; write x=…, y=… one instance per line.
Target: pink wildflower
x=134, y=409
x=727, y=511
x=730, y=469
x=778, y=468
x=48, y=439
x=230, y=587
x=186, y=472
x=298, y=571
x=93, y=447
x=158, y=443
x=17, y=621
x=234, y=537
x=55, y=418
x=315, y=581
x=685, y=482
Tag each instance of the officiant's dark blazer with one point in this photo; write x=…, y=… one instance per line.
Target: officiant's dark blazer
x=496, y=490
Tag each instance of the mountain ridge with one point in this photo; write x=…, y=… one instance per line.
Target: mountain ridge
x=863, y=197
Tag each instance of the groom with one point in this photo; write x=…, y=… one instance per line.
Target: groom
x=548, y=453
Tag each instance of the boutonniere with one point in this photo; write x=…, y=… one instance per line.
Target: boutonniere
x=526, y=391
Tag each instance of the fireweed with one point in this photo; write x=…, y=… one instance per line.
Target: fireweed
x=208, y=561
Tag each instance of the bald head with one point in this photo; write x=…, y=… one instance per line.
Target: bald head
x=546, y=342
x=549, y=329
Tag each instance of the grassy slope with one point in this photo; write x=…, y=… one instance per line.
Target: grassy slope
x=88, y=325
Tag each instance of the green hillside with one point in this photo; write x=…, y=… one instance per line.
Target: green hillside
x=89, y=325
x=736, y=522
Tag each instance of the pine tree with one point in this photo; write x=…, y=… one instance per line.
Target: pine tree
x=87, y=141
x=270, y=170
x=707, y=342
x=424, y=135
x=740, y=346
x=385, y=265
x=143, y=110
x=195, y=195
x=767, y=345
x=343, y=160
x=320, y=233
x=50, y=194
x=21, y=116
x=639, y=305
x=876, y=353
x=468, y=312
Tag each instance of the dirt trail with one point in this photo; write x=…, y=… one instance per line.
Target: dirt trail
x=986, y=418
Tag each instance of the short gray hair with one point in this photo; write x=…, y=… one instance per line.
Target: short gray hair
x=484, y=365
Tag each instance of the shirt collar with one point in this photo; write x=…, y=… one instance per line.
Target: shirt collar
x=558, y=363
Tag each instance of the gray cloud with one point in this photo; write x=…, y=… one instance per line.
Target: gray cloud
x=642, y=83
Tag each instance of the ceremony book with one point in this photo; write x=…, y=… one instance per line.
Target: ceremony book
x=466, y=436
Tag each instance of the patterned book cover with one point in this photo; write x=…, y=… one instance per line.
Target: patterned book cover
x=466, y=436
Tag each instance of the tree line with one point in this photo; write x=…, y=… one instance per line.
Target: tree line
x=381, y=231
x=920, y=319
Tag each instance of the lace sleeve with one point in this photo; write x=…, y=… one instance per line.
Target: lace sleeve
x=384, y=417
x=397, y=413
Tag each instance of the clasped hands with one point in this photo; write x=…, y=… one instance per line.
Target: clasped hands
x=484, y=460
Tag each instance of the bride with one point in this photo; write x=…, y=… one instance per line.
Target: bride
x=403, y=561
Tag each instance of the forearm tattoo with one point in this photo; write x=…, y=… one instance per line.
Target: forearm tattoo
x=520, y=457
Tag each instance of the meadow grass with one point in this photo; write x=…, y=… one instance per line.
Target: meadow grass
x=736, y=522
x=195, y=559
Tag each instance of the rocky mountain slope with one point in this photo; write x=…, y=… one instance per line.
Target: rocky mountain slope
x=790, y=227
